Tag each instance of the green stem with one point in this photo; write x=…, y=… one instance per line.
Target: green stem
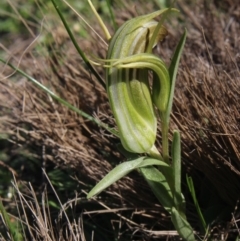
x=165, y=146
x=168, y=174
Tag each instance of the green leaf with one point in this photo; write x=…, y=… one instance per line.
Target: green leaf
x=159, y=186
x=179, y=200
x=122, y=170
x=176, y=158
x=173, y=69
x=182, y=226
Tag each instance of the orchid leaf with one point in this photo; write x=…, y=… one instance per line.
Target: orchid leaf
x=159, y=186
x=182, y=226
x=179, y=200
x=122, y=170
x=173, y=69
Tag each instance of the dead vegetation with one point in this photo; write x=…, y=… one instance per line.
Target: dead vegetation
x=206, y=110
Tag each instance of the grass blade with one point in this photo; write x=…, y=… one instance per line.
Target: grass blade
x=62, y=101
x=193, y=194
x=11, y=228
x=112, y=15
x=81, y=53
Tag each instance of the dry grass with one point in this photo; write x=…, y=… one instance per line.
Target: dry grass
x=206, y=110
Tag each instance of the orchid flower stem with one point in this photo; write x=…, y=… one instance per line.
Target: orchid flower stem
x=165, y=146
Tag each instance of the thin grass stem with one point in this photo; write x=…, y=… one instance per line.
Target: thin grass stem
x=81, y=53
x=62, y=101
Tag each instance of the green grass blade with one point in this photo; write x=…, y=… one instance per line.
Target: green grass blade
x=159, y=186
x=122, y=170
x=62, y=101
x=193, y=194
x=11, y=228
x=182, y=226
x=112, y=15
x=173, y=69
x=81, y=53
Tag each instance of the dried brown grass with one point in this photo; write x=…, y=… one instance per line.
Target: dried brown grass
x=206, y=110
x=207, y=100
